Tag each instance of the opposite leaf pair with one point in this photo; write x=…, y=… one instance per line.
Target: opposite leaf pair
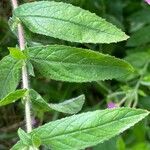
x=71, y=106
x=63, y=63
x=58, y=62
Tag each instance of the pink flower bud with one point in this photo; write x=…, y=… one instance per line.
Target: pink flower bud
x=147, y=1
x=111, y=105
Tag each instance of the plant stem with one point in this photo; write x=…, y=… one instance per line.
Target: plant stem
x=138, y=84
x=25, y=79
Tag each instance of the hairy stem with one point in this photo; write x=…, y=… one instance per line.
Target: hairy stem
x=25, y=79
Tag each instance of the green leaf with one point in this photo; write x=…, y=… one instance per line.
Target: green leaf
x=38, y=102
x=27, y=142
x=146, y=80
x=24, y=137
x=141, y=16
x=30, y=69
x=71, y=106
x=141, y=146
x=17, y=53
x=87, y=129
x=138, y=59
x=36, y=141
x=139, y=19
x=10, y=72
x=145, y=103
x=121, y=144
x=67, y=22
x=12, y=97
x=140, y=37
x=20, y=146
x=72, y=64
x=13, y=24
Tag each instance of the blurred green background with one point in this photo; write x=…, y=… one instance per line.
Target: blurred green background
x=133, y=17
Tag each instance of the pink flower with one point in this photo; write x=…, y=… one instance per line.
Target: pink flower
x=111, y=105
x=147, y=1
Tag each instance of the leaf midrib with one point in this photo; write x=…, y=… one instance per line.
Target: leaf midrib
x=68, y=21
x=88, y=128
x=84, y=65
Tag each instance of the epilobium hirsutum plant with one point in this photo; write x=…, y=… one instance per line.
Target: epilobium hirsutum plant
x=63, y=63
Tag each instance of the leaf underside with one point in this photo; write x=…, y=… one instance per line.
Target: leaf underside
x=71, y=106
x=67, y=22
x=72, y=64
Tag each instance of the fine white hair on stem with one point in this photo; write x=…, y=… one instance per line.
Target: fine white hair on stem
x=25, y=79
